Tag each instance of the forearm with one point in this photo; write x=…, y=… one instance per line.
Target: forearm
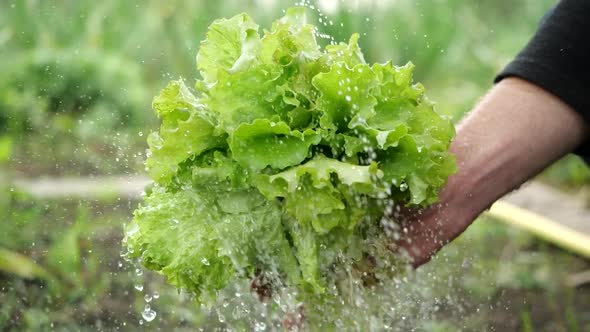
x=515, y=132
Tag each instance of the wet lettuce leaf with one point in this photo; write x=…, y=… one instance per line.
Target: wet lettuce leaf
x=284, y=158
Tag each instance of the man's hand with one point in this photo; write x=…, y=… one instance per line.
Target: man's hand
x=516, y=131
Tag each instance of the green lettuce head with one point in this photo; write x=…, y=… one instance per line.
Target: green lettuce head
x=284, y=159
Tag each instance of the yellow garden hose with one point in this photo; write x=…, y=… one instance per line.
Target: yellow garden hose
x=543, y=227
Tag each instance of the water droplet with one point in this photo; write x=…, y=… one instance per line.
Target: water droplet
x=147, y=298
x=259, y=326
x=148, y=314
x=140, y=133
x=139, y=287
x=205, y=261
x=348, y=98
x=156, y=295
x=131, y=231
x=403, y=186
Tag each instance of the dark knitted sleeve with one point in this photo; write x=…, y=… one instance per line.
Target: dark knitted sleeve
x=557, y=58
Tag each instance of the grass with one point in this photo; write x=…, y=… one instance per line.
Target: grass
x=85, y=284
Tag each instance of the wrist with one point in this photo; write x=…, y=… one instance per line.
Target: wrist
x=512, y=135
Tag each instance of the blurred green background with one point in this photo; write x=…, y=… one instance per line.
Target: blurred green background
x=77, y=78
x=79, y=75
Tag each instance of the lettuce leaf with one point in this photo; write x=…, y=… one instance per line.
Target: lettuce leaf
x=266, y=143
x=230, y=46
x=316, y=192
x=186, y=130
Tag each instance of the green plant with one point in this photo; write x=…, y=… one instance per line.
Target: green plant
x=570, y=172
x=280, y=166
x=49, y=92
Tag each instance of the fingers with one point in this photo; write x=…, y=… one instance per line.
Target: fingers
x=295, y=320
x=420, y=232
x=422, y=240
x=261, y=286
x=424, y=233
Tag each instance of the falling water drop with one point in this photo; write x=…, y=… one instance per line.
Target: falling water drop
x=259, y=326
x=148, y=314
x=403, y=186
